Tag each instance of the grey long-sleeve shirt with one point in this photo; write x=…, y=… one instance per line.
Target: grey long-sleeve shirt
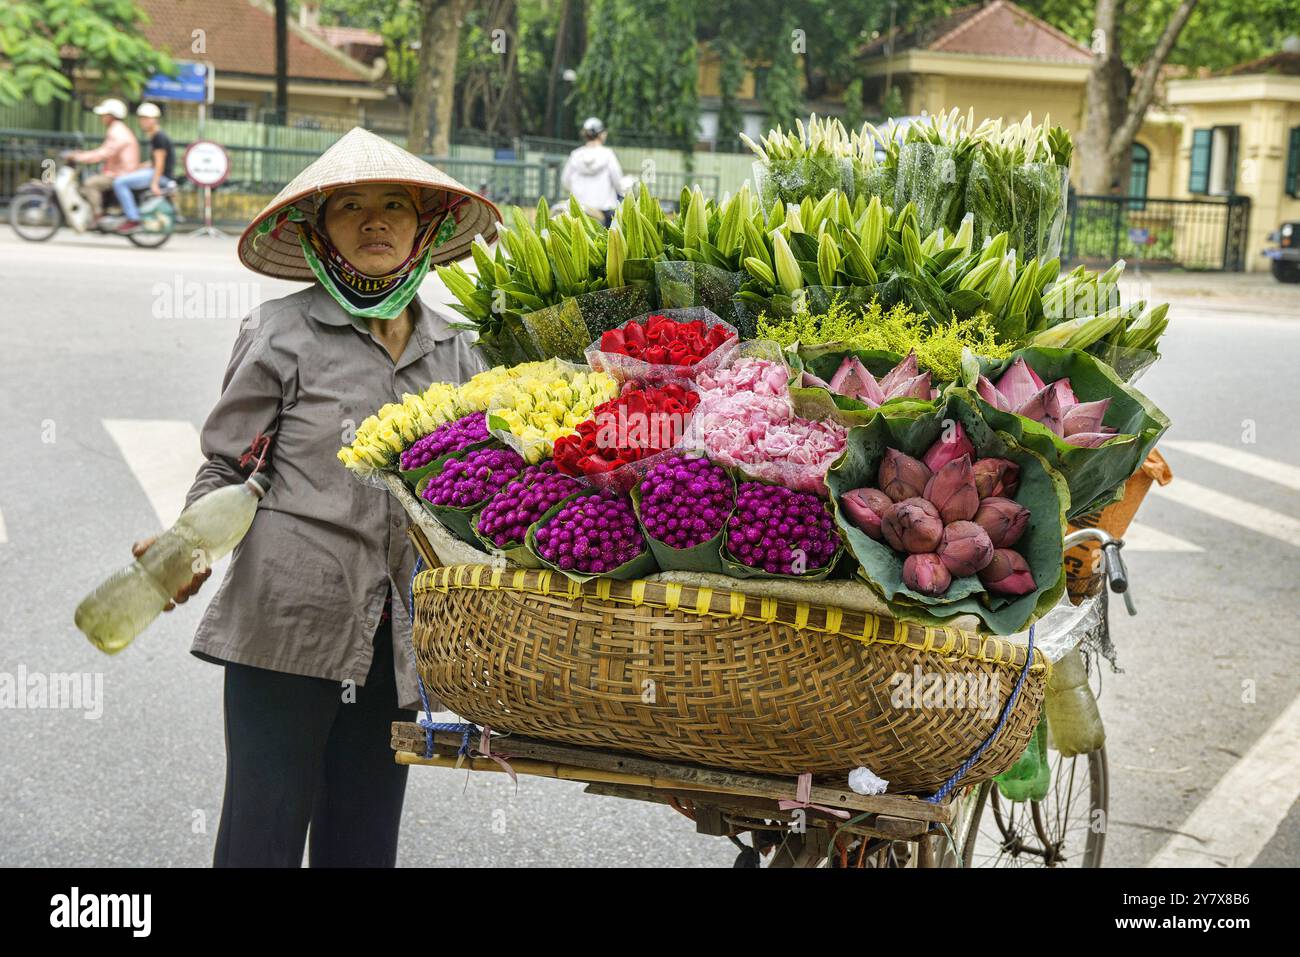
x=307, y=584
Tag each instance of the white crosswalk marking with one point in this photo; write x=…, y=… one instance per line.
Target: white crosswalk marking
x=1241, y=813
x=1247, y=462
x=1229, y=509
x=163, y=454
x=1143, y=538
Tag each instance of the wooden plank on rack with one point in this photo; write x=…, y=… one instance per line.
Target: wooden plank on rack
x=615, y=767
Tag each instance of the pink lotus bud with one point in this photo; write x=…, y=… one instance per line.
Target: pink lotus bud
x=912, y=525
x=926, y=574
x=1007, y=573
x=1066, y=392
x=1046, y=407
x=917, y=387
x=901, y=476
x=1085, y=417
x=864, y=506
x=948, y=447
x=1019, y=383
x=965, y=548
x=854, y=380
x=810, y=381
x=999, y=477
x=990, y=394
x=952, y=491
x=1004, y=520
x=907, y=369
x=1089, y=440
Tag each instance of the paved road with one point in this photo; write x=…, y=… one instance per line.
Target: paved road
x=112, y=359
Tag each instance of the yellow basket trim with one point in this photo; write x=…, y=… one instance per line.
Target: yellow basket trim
x=943, y=640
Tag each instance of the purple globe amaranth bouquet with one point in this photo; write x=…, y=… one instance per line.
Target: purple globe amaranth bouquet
x=473, y=478
x=449, y=437
x=505, y=519
x=593, y=534
x=686, y=501
x=781, y=531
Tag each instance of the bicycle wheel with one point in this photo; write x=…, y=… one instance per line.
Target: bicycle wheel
x=1065, y=829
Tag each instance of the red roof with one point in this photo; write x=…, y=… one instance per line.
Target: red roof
x=240, y=38
x=999, y=28
x=1285, y=63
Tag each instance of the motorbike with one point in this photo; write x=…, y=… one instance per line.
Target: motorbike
x=1286, y=255
x=41, y=206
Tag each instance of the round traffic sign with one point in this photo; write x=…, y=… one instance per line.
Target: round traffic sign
x=207, y=163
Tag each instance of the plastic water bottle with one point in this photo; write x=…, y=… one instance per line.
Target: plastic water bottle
x=128, y=601
x=1029, y=777
x=1071, y=708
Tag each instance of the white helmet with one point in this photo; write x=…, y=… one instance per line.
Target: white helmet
x=592, y=126
x=148, y=109
x=113, y=107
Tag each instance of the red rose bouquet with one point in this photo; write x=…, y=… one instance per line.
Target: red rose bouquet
x=662, y=346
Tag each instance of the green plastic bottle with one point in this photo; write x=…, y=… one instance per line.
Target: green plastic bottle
x=1029, y=778
x=1071, y=708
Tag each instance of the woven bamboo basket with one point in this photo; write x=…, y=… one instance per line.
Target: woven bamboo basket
x=719, y=677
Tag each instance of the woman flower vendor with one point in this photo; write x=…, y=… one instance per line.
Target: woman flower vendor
x=310, y=621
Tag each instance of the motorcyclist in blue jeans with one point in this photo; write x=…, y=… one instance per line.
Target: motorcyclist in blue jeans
x=156, y=174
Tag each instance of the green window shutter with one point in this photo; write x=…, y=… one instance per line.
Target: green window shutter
x=1198, y=180
x=1293, y=163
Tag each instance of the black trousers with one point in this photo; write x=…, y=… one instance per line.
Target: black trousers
x=299, y=754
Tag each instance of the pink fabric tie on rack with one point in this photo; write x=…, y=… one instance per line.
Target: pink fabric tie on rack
x=803, y=799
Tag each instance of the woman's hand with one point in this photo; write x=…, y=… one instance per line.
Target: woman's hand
x=183, y=595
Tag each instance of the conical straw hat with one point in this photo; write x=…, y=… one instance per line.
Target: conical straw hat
x=360, y=156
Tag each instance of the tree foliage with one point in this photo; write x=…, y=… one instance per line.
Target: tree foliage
x=34, y=35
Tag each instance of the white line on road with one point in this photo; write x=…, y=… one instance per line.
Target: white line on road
x=1248, y=462
x=163, y=454
x=1144, y=538
x=4, y=535
x=1241, y=813
x=1246, y=514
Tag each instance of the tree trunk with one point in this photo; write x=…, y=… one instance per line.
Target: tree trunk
x=435, y=83
x=1117, y=103
x=282, y=61
x=557, y=59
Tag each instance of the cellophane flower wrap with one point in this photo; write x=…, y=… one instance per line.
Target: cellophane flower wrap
x=685, y=284
x=626, y=435
x=565, y=329
x=543, y=402
x=1095, y=471
x=746, y=420
x=670, y=345
x=1040, y=489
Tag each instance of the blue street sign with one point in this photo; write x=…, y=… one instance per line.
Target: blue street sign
x=190, y=84
x=1139, y=237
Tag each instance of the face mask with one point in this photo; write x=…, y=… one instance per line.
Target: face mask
x=374, y=297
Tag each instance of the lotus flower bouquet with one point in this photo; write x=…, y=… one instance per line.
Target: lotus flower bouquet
x=854, y=380
x=1076, y=412
x=946, y=516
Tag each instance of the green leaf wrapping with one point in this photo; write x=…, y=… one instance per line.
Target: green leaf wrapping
x=1042, y=490
x=639, y=567
x=1095, y=476
x=704, y=557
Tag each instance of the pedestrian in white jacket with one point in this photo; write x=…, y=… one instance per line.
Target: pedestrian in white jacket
x=592, y=173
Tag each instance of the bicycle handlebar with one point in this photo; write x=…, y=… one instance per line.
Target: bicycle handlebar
x=1116, y=572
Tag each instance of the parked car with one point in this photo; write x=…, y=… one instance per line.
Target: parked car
x=1286, y=254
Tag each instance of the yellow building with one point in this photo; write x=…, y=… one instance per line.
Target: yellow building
x=1241, y=135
